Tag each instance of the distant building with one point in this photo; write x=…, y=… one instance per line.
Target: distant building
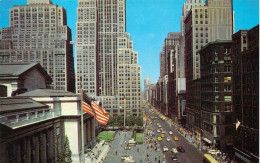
x=17, y=78
x=38, y=33
x=147, y=83
x=245, y=88
x=216, y=95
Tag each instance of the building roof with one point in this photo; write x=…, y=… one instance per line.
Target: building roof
x=215, y=42
x=48, y=93
x=18, y=69
x=13, y=104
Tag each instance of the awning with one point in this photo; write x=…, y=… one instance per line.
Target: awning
x=207, y=140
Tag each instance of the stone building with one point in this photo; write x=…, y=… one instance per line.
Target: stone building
x=17, y=78
x=35, y=124
x=216, y=95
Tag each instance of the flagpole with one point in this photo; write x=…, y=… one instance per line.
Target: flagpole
x=82, y=133
x=124, y=110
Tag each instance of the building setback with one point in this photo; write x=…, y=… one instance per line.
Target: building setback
x=216, y=101
x=38, y=32
x=245, y=87
x=103, y=51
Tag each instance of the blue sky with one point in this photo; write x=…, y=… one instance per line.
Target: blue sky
x=148, y=22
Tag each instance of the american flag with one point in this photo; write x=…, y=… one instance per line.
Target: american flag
x=94, y=109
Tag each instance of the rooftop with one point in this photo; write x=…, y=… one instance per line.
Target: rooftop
x=48, y=93
x=13, y=105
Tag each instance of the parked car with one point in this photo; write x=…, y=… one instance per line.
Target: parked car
x=176, y=138
x=170, y=133
x=163, y=136
x=159, y=138
x=214, y=152
x=127, y=148
x=163, y=132
x=168, y=139
x=158, y=130
x=165, y=149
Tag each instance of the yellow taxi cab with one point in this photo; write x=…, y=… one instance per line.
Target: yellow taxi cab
x=159, y=138
x=163, y=136
x=175, y=138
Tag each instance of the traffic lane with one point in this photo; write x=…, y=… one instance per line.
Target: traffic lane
x=172, y=144
x=192, y=153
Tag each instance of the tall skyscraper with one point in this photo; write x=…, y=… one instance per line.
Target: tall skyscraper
x=106, y=62
x=38, y=32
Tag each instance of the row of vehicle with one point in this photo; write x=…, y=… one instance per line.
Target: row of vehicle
x=174, y=150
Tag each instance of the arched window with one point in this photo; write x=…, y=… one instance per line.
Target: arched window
x=3, y=91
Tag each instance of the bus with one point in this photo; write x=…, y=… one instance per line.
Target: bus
x=209, y=159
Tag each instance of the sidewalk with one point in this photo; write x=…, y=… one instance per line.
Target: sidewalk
x=98, y=153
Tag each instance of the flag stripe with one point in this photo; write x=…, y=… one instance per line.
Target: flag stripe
x=95, y=110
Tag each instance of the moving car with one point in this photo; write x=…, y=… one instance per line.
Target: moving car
x=174, y=150
x=174, y=157
x=176, y=138
x=163, y=136
x=168, y=139
x=165, y=149
x=170, y=133
x=159, y=138
x=158, y=130
x=163, y=132
x=180, y=149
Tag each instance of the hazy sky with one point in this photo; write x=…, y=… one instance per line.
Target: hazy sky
x=148, y=22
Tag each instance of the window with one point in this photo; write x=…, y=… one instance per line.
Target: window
x=227, y=88
x=228, y=108
x=227, y=98
x=217, y=98
x=227, y=79
x=3, y=91
x=216, y=79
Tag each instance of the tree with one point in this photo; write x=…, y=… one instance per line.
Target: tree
x=64, y=156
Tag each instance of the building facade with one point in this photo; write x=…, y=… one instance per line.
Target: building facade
x=66, y=107
x=203, y=24
x=103, y=51
x=245, y=87
x=38, y=32
x=216, y=95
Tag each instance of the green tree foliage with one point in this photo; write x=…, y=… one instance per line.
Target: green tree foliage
x=130, y=121
x=64, y=156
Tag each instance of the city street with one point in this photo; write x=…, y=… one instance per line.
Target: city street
x=191, y=154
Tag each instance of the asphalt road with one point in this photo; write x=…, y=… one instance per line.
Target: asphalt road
x=191, y=154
